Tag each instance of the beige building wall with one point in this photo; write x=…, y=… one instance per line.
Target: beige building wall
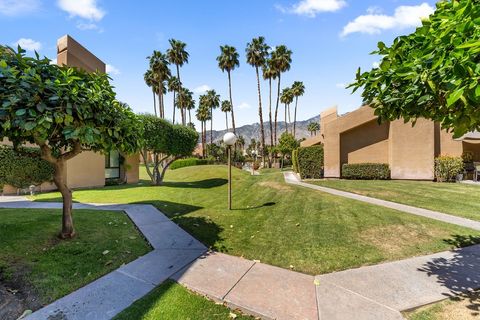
x=86, y=170
x=132, y=164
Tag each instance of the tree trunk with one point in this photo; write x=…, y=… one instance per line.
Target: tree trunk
x=226, y=119
x=270, y=120
x=276, y=109
x=260, y=114
x=189, y=116
x=154, y=103
x=295, y=118
x=174, y=106
x=211, y=125
x=286, y=124
x=231, y=102
x=59, y=178
x=165, y=167
x=289, y=118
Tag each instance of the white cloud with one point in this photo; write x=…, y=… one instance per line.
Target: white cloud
x=28, y=44
x=112, y=69
x=374, y=22
x=201, y=89
x=18, y=8
x=86, y=9
x=87, y=26
x=310, y=8
x=243, y=105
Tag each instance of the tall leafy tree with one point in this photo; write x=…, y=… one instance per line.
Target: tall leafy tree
x=203, y=115
x=257, y=54
x=174, y=86
x=432, y=73
x=178, y=55
x=64, y=111
x=241, y=142
x=186, y=101
x=228, y=61
x=269, y=73
x=212, y=100
x=298, y=89
x=226, y=107
x=281, y=60
x=286, y=98
x=150, y=82
x=161, y=74
x=313, y=127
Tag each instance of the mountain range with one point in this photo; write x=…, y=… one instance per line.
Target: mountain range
x=250, y=131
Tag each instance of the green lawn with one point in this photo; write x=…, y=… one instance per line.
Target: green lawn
x=453, y=198
x=171, y=301
x=281, y=224
x=32, y=254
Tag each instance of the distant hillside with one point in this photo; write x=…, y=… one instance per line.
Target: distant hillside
x=250, y=131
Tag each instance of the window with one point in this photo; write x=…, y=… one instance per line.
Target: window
x=112, y=165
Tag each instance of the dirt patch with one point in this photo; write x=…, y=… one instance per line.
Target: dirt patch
x=393, y=239
x=465, y=307
x=275, y=185
x=16, y=295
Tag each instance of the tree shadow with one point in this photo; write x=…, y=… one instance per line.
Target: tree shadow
x=460, y=273
x=203, y=229
x=201, y=184
x=266, y=204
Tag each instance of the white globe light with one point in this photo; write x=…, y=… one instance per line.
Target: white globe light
x=229, y=138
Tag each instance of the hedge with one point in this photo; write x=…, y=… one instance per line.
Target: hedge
x=23, y=167
x=310, y=162
x=189, y=162
x=295, y=160
x=366, y=171
x=447, y=168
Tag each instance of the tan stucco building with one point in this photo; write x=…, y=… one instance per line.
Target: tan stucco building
x=89, y=169
x=357, y=137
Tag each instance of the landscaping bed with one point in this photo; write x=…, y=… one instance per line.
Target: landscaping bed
x=36, y=267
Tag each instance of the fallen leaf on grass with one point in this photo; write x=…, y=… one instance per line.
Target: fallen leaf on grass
x=232, y=315
x=109, y=262
x=132, y=237
x=105, y=252
x=298, y=224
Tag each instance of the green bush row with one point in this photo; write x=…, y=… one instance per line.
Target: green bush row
x=23, y=167
x=295, y=160
x=447, y=168
x=181, y=163
x=310, y=162
x=366, y=171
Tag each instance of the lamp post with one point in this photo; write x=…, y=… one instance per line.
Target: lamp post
x=229, y=139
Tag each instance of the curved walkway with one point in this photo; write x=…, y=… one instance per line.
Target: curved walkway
x=373, y=292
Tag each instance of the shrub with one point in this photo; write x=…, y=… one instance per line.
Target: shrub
x=23, y=167
x=467, y=156
x=366, y=171
x=295, y=160
x=310, y=162
x=181, y=163
x=447, y=168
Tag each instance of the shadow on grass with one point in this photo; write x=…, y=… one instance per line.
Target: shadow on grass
x=266, y=204
x=201, y=184
x=460, y=273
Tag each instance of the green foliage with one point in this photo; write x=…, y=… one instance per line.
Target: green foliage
x=65, y=108
x=295, y=164
x=310, y=162
x=447, y=168
x=467, y=156
x=366, y=171
x=23, y=167
x=287, y=143
x=431, y=73
x=181, y=163
x=313, y=127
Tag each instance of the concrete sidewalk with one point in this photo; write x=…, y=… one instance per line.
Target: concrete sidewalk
x=292, y=178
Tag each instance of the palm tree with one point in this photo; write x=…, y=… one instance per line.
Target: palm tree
x=313, y=127
x=185, y=101
x=174, y=86
x=298, y=89
x=257, y=53
x=270, y=74
x=241, y=142
x=203, y=115
x=286, y=98
x=178, y=56
x=226, y=107
x=161, y=73
x=228, y=61
x=212, y=100
x=150, y=81
x=189, y=104
x=281, y=59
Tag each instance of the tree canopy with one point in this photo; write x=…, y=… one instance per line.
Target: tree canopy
x=432, y=73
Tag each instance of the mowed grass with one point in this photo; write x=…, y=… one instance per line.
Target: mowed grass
x=454, y=198
x=280, y=224
x=32, y=253
x=171, y=301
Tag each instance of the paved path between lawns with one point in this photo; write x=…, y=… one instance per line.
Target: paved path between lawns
x=373, y=292
x=292, y=178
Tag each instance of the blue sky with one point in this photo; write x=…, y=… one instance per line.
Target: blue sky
x=330, y=39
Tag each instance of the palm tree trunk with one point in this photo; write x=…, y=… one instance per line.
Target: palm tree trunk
x=226, y=119
x=270, y=115
x=276, y=109
x=295, y=117
x=211, y=125
x=286, y=124
x=174, y=107
x=260, y=114
x=203, y=142
x=154, y=102
x=289, y=118
x=189, y=116
x=231, y=102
